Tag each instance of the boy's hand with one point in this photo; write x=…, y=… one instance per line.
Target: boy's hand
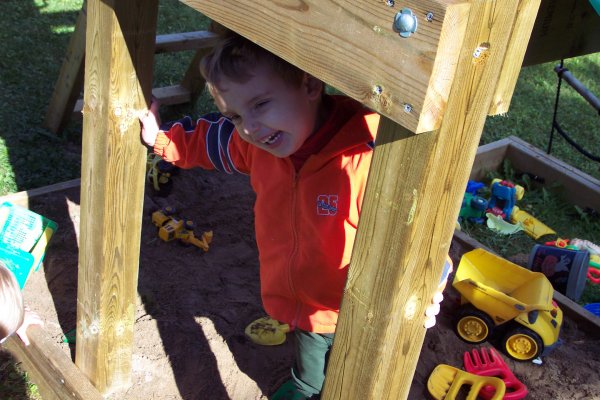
x=434, y=308
x=150, y=123
x=30, y=318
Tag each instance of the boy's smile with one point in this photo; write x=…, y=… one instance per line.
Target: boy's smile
x=269, y=112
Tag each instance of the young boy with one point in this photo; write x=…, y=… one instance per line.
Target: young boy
x=14, y=317
x=308, y=156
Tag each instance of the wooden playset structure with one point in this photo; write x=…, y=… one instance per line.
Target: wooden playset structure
x=434, y=69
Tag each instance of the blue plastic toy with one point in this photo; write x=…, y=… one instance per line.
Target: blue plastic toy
x=503, y=197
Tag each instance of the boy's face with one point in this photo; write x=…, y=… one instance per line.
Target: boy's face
x=269, y=112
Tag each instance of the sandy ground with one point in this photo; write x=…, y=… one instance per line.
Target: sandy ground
x=193, y=307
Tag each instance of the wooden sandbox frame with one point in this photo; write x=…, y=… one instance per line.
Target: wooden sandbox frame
x=434, y=90
x=581, y=189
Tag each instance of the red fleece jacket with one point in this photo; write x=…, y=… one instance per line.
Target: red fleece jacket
x=305, y=220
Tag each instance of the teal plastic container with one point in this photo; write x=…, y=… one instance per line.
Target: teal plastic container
x=565, y=268
x=24, y=236
x=596, y=5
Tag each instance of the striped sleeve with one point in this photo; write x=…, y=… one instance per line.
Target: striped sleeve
x=207, y=142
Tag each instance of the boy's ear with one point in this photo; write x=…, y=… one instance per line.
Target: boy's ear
x=314, y=87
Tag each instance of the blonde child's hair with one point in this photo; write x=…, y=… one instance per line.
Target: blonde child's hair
x=11, y=303
x=234, y=58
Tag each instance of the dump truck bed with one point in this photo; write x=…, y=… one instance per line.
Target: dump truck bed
x=483, y=277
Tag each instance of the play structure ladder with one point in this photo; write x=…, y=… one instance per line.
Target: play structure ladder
x=66, y=103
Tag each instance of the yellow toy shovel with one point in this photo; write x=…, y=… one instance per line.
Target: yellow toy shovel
x=267, y=331
x=445, y=382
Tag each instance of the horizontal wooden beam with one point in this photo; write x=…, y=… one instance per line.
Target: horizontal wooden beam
x=352, y=46
x=22, y=198
x=65, y=96
x=563, y=29
x=50, y=368
x=174, y=42
x=167, y=96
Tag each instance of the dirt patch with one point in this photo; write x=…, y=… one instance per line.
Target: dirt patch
x=193, y=306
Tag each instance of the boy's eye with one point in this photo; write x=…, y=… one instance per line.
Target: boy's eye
x=262, y=103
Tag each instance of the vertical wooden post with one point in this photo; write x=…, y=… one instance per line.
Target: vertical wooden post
x=412, y=201
x=120, y=42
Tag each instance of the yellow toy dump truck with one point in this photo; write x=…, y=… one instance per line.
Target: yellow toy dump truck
x=499, y=297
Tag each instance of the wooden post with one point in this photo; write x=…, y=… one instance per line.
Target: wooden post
x=118, y=80
x=412, y=201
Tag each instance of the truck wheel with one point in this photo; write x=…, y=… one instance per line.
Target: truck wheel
x=472, y=325
x=522, y=344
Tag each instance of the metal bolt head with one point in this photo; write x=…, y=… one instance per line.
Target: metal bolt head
x=407, y=108
x=390, y=3
x=405, y=22
x=429, y=16
x=377, y=89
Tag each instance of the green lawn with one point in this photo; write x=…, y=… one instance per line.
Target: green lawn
x=33, y=50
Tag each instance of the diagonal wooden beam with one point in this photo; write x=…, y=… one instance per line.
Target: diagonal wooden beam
x=118, y=80
x=413, y=196
x=65, y=102
x=511, y=68
x=70, y=79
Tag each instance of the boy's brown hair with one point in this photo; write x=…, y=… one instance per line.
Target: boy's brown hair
x=11, y=303
x=234, y=57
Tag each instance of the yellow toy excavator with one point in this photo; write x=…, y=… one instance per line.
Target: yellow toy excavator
x=171, y=228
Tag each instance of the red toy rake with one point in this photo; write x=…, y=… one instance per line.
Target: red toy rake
x=493, y=364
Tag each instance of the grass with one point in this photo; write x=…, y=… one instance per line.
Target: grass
x=547, y=204
x=35, y=42
x=14, y=382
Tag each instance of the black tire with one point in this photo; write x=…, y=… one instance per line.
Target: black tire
x=522, y=344
x=478, y=203
x=169, y=210
x=473, y=325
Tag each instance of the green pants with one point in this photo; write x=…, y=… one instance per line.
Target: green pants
x=312, y=354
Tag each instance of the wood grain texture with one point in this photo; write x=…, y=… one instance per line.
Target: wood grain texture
x=50, y=368
x=118, y=76
x=519, y=40
x=413, y=197
x=352, y=46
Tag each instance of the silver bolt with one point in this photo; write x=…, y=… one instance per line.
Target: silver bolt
x=390, y=3
x=407, y=107
x=405, y=22
x=377, y=89
x=429, y=17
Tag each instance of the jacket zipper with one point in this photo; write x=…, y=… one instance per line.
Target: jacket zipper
x=295, y=246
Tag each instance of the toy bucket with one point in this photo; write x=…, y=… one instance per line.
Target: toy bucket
x=565, y=268
x=24, y=236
